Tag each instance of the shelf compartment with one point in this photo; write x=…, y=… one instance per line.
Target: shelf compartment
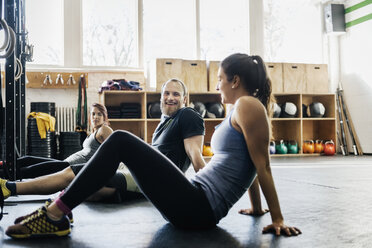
x=135, y=127
x=294, y=98
x=319, y=129
x=287, y=130
x=151, y=126
x=115, y=98
x=328, y=100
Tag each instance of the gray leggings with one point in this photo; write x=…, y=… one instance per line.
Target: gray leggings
x=182, y=203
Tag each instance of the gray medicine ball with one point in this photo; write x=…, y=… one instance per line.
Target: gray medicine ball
x=316, y=110
x=289, y=110
x=277, y=110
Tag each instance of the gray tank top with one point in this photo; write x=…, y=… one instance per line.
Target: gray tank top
x=90, y=146
x=229, y=173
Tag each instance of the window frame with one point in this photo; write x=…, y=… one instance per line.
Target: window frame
x=73, y=53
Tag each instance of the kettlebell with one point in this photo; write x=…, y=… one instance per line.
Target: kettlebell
x=272, y=147
x=281, y=148
x=308, y=146
x=292, y=147
x=329, y=148
x=318, y=146
x=207, y=150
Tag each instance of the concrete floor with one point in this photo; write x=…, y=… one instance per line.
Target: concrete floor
x=328, y=198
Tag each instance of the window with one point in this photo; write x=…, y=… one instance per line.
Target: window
x=169, y=29
x=45, y=30
x=110, y=33
x=223, y=28
x=128, y=33
x=293, y=31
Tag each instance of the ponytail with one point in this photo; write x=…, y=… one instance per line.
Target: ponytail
x=264, y=90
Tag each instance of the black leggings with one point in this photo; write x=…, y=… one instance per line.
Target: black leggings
x=32, y=167
x=179, y=201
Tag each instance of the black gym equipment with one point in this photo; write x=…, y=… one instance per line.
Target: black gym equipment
x=199, y=107
x=215, y=110
x=316, y=110
x=45, y=107
x=69, y=143
x=130, y=110
x=15, y=90
x=36, y=145
x=304, y=111
x=277, y=110
x=289, y=110
x=153, y=110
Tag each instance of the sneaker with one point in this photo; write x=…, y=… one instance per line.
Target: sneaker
x=39, y=225
x=6, y=191
x=46, y=204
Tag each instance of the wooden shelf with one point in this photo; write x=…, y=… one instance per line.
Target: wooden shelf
x=298, y=128
x=144, y=127
x=125, y=119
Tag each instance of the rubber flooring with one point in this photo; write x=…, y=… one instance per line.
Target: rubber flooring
x=328, y=198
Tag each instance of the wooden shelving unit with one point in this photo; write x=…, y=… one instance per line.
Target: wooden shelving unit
x=302, y=128
x=298, y=128
x=145, y=126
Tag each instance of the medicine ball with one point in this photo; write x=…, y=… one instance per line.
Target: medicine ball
x=199, y=107
x=153, y=110
x=316, y=110
x=289, y=110
x=304, y=111
x=215, y=110
x=277, y=110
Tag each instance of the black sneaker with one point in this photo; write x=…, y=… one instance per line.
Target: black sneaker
x=46, y=204
x=39, y=224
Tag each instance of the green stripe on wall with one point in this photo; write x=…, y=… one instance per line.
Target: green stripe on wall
x=358, y=6
x=359, y=20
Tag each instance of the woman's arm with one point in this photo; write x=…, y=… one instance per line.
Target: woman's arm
x=251, y=119
x=103, y=133
x=255, y=197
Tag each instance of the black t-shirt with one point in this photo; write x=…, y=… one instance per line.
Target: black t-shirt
x=171, y=131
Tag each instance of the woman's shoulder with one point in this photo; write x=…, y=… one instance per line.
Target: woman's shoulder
x=248, y=102
x=104, y=129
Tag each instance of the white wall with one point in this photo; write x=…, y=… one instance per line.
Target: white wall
x=356, y=73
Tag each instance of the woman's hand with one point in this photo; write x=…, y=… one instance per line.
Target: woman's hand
x=280, y=228
x=250, y=211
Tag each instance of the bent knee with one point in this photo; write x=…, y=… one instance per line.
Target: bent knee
x=120, y=135
x=68, y=174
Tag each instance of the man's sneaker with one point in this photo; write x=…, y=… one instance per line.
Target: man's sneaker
x=46, y=204
x=39, y=224
x=6, y=191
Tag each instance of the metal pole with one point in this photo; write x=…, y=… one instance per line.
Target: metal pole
x=10, y=96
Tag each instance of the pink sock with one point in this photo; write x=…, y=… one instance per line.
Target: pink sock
x=63, y=207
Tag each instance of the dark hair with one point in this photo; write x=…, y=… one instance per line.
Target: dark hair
x=177, y=81
x=252, y=73
x=101, y=109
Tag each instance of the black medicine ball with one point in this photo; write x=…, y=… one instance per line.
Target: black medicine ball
x=289, y=110
x=199, y=107
x=304, y=111
x=277, y=110
x=153, y=110
x=215, y=110
x=316, y=110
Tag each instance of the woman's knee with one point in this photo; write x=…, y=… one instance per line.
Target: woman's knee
x=119, y=136
x=68, y=174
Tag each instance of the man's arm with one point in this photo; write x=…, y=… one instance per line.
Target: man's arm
x=193, y=147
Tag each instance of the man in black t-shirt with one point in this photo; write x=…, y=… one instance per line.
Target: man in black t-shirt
x=180, y=133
